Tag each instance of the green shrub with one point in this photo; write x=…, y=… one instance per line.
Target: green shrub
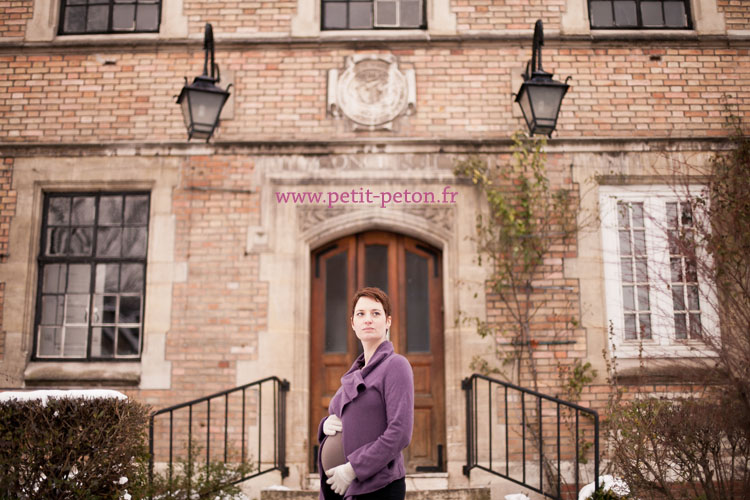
x=71, y=448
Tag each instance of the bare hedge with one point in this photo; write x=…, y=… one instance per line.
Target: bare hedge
x=71, y=448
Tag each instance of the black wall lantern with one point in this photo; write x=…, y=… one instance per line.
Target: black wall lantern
x=540, y=96
x=202, y=100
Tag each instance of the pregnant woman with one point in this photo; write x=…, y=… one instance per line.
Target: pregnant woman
x=371, y=415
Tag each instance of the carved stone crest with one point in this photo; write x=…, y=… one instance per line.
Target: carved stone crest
x=371, y=91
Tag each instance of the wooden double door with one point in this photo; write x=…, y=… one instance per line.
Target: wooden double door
x=409, y=271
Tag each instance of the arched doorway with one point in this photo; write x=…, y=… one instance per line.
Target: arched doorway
x=410, y=271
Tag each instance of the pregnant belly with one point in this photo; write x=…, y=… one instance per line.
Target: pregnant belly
x=332, y=452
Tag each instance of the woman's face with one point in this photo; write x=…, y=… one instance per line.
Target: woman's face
x=369, y=321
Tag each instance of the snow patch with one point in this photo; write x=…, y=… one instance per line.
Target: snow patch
x=44, y=395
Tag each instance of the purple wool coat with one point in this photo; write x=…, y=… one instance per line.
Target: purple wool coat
x=376, y=406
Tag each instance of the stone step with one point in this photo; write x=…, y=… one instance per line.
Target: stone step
x=445, y=494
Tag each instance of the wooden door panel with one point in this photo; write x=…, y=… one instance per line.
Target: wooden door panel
x=409, y=271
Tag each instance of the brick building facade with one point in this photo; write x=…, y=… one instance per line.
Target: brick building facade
x=228, y=270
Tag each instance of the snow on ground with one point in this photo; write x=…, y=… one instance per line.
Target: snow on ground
x=44, y=395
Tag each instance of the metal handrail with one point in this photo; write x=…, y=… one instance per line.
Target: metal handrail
x=470, y=386
x=280, y=389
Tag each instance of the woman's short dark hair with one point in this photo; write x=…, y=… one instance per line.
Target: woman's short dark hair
x=373, y=293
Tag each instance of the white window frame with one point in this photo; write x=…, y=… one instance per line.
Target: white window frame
x=439, y=17
x=662, y=344
x=44, y=24
x=707, y=20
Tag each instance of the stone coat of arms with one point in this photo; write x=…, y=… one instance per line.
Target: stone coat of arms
x=371, y=91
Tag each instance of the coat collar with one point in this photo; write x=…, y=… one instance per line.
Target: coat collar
x=353, y=381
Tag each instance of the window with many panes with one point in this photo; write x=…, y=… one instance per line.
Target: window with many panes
x=656, y=298
x=639, y=14
x=372, y=14
x=109, y=16
x=92, y=269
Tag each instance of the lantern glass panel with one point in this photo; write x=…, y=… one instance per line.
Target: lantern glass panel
x=545, y=101
x=205, y=106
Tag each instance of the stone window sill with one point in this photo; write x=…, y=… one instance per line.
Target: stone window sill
x=664, y=370
x=79, y=374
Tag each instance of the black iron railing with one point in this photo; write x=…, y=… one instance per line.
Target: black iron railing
x=221, y=432
x=522, y=413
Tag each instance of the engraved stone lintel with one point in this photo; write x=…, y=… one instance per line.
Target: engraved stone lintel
x=309, y=217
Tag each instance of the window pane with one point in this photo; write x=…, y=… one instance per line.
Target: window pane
x=651, y=14
x=639, y=242
x=131, y=279
x=417, y=303
x=625, y=243
x=601, y=14
x=691, y=271
x=672, y=216
x=103, y=342
x=336, y=304
x=75, y=342
x=75, y=20
x=59, y=211
x=626, y=266
x=637, y=209
x=54, y=278
x=128, y=341
x=675, y=15
x=147, y=18
x=411, y=13
x=623, y=215
x=376, y=266
x=81, y=240
x=645, y=327
x=630, y=331
x=109, y=242
x=695, y=326
x=107, y=278
x=641, y=270
x=387, y=13
x=76, y=309
x=52, y=309
x=130, y=309
x=50, y=341
x=83, y=211
x=675, y=266
x=360, y=15
x=57, y=241
x=693, y=298
x=678, y=298
x=105, y=309
x=643, y=301
x=136, y=210
x=98, y=18
x=79, y=278
x=625, y=13
x=134, y=242
x=680, y=326
x=110, y=209
x=334, y=15
x=628, y=302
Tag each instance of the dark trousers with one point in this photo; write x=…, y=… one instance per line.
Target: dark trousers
x=393, y=491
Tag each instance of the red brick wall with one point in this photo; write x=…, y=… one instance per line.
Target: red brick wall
x=483, y=15
x=736, y=14
x=14, y=14
x=223, y=298
x=281, y=94
x=233, y=16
